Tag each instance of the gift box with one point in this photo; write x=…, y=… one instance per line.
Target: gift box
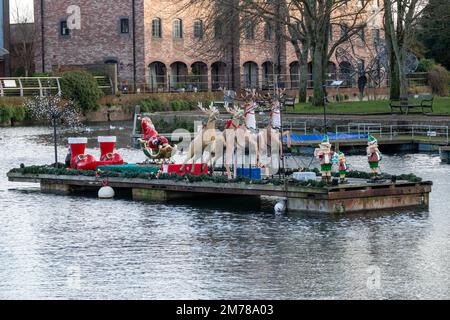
x=175, y=168
x=251, y=173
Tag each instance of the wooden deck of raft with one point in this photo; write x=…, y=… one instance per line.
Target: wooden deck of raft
x=357, y=196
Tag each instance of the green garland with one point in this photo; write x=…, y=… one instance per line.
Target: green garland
x=366, y=176
x=60, y=170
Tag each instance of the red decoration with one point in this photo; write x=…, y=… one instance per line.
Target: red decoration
x=108, y=156
x=151, y=135
x=175, y=168
x=81, y=161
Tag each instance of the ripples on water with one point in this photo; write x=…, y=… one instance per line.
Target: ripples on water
x=80, y=247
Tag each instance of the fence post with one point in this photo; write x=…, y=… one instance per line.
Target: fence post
x=41, y=93
x=21, y=87
x=1, y=89
x=59, y=85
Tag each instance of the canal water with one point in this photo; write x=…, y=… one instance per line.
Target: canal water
x=80, y=247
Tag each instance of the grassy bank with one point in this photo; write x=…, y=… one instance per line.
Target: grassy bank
x=441, y=107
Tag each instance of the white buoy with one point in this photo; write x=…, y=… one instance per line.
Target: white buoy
x=106, y=193
x=280, y=207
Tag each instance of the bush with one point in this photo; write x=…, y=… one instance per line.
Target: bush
x=6, y=113
x=151, y=105
x=11, y=114
x=19, y=114
x=426, y=65
x=439, y=78
x=20, y=72
x=81, y=88
x=180, y=105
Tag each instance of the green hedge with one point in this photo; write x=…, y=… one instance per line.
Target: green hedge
x=12, y=114
x=151, y=105
x=156, y=105
x=81, y=88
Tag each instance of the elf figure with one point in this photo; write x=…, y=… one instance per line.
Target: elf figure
x=325, y=155
x=342, y=167
x=374, y=157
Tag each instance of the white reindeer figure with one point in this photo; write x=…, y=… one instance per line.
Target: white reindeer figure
x=251, y=130
x=207, y=136
x=270, y=138
x=229, y=134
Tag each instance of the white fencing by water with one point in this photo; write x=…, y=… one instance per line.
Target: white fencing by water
x=397, y=131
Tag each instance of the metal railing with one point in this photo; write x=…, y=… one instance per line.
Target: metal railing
x=184, y=83
x=168, y=83
x=39, y=86
x=391, y=132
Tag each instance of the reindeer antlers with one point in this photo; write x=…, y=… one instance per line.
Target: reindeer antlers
x=200, y=106
x=234, y=111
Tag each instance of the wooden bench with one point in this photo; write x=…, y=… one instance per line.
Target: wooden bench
x=420, y=101
x=289, y=102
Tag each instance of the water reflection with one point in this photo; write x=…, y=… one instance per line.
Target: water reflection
x=80, y=247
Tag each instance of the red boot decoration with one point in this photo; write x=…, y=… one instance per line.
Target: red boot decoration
x=79, y=160
x=108, y=156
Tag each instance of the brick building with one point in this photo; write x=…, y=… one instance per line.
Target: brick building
x=4, y=39
x=154, y=43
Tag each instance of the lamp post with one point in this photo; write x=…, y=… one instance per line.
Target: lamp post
x=325, y=127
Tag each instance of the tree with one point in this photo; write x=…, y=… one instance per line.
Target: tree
x=25, y=36
x=401, y=23
x=306, y=24
x=81, y=88
x=434, y=26
x=322, y=18
x=55, y=111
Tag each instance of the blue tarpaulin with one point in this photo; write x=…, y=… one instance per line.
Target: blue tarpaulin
x=319, y=137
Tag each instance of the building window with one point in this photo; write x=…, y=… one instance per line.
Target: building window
x=64, y=29
x=125, y=25
x=249, y=30
x=178, y=29
x=218, y=30
x=361, y=66
x=156, y=28
x=376, y=37
x=362, y=34
x=344, y=30
x=268, y=31
x=198, y=29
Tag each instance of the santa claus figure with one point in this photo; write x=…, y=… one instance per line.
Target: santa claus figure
x=374, y=157
x=325, y=155
x=153, y=141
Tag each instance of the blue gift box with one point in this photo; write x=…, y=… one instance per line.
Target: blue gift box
x=252, y=173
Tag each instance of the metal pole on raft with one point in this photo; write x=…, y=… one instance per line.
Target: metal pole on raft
x=55, y=141
x=325, y=129
x=281, y=157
